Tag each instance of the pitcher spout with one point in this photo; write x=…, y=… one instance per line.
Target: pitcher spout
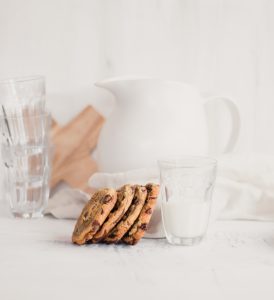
x=113, y=85
x=122, y=87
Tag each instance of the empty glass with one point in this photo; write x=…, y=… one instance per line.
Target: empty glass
x=25, y=149
x=26, y=180
x=26, y=155
x=186, y=190
x=29, y=129
x=22, y=96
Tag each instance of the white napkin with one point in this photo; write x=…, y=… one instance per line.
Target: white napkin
x=67, y=203
x=244, y=186
x=244, y=190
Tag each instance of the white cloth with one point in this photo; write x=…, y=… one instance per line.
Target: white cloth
x=67, y=203
x=244, y=190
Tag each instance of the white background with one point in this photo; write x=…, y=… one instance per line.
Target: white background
x=224, y=47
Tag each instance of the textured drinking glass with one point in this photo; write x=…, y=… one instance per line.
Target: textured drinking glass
x=26, y=158
x=22, y=96
x=186, y=192
x=26, y=180
x=26, y=129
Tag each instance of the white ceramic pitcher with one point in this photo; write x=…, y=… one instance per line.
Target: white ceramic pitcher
x=156, y=118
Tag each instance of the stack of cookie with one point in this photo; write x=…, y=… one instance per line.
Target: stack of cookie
x=116, y=216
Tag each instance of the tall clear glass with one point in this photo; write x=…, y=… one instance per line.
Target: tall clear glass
x=26, y=180
x=26, y=156
x=22, y=96
x=27, y=129
x=186, y=192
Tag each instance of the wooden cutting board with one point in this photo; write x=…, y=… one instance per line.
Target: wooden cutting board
x=73, y=145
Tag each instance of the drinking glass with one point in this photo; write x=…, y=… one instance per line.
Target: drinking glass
x=26, y=180
x=22, y=96
x=186, y=192
x=26, y=129
x=26, y=156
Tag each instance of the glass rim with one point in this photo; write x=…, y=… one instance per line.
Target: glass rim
x=22, y=79
x=187, y=161
x=45, y=115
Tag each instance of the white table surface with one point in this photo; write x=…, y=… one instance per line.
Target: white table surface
x=38, y=261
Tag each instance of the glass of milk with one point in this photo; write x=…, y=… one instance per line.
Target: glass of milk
x=186, y=190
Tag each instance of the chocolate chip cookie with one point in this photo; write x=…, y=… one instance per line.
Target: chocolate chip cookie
x=129, y=217
x=124, y=198
x=139, y=227
x=93, y=215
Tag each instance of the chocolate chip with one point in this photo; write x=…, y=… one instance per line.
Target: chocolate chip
x=106, y=199
x=136, y=201
x=143, y=226
x=102, y=211
x=143, y=189
x=95, y=225
x=148, y=211
x=149, y=187
x=112, y=235
x=85, y=215
x=125, y=216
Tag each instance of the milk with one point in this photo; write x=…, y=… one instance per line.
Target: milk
x=185, y=219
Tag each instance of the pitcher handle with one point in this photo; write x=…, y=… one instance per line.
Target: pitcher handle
x=235, y=118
